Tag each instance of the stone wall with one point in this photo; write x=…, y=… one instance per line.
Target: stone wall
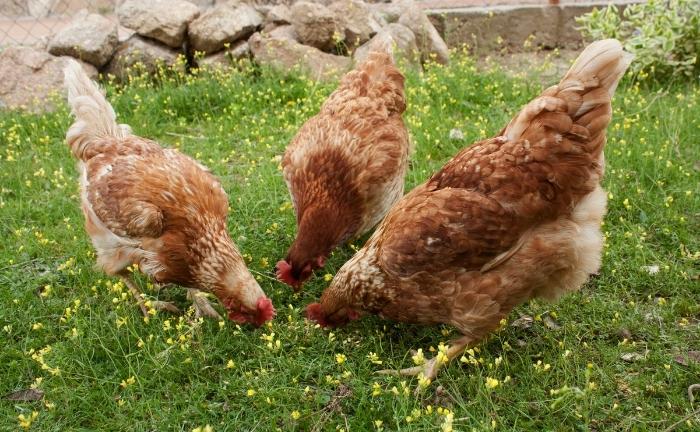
x=321, y=39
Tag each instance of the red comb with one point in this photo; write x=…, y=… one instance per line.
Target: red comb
x=314, y=313
x=284, y=273
x=265, y=311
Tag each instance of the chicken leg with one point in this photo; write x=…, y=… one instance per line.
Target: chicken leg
x=202, y=307
x=155, y=304
x=430, y=368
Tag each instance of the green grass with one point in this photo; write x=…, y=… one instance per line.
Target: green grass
x=563, y=376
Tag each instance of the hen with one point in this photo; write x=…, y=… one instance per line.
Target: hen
x=155, y=208
x=345, y=167
x=507, y=219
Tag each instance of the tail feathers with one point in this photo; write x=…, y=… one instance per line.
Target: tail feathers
x=374, y=81
x=601, y=65
x=383, y=80
x=584, y=93
x=94, y=116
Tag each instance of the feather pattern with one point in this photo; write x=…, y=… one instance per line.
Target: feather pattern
x=506, y=219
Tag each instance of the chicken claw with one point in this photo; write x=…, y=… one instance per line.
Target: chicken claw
x=164, y=306
x=135, y=292
x=155, y=304
x=428, y=371
x=202, y=306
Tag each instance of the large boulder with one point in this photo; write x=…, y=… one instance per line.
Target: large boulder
x=222, y=25
x=89, y=37
x=226, y=58
x=397, y=38
x=279, y=14
x=431, y=44
x=286, y=55
x=282, y=32
x=31, y=76
x=163, y=20
x=139, y=54
x=316, y=25
x=390, y=12
x=356, y=20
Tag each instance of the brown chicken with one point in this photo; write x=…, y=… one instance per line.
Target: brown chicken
x=155, y=208
x=507, y=219
x=345, y=167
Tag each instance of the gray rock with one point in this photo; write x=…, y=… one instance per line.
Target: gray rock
x=316, y=25
x=286, y=55
x=13, y=9
x=456, y=134
x=163, y=20
x=138, y=54
x=357, y=21
x=397, y=38
x=203, y=4
x=89, y=37
x=390, y=12
x=227, y=57
x=44, y=8
x=222, y=25
x=31, y=76
x=279, y=14
x=283, y=32
x=427, y=37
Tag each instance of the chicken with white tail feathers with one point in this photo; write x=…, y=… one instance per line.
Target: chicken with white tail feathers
x=156, y=209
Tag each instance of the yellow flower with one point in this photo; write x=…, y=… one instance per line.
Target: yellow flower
x=250, y=393
x=376, y=389
x=37, y=326
x=492, y=383
x=423, y=382
x=127, y=382
x=328, y=277
x=230, y=364
x=25, y=422
x=374, y=358
x=340, y=358
x=296, y=414
x=418, y=358
x=442, y=353
x=206, y=428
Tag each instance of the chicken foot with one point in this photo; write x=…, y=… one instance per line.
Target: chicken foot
x=202, y=306
x=155, y=304
x=430, y=368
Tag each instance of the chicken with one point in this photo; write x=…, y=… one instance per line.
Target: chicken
x=157, y=209
x=506, y=220
x=345, y=167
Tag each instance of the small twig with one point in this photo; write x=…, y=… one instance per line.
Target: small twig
x=263, y=275
x=673, y=426
x=185, y=136
x=19, y=264
x=691, y=389
x=691, y=396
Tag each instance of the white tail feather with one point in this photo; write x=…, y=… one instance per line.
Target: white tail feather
x=94, y=116
x=604, y=60
x=593, y=76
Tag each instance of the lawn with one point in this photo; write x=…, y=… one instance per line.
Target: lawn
x=611, y=357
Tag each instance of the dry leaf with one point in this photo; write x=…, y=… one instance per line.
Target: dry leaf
x=624, y=333
x=25, y=395
x=550, y=323
x=524, y=322
x=690, y=356
x=633, y=357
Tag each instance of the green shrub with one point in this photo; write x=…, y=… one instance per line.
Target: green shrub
x=664, y=36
